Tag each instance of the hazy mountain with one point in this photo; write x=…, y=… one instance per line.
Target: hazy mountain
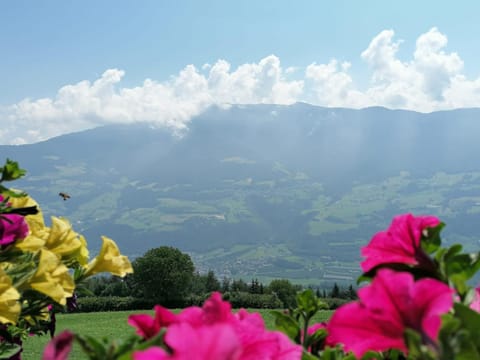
x=263, y=190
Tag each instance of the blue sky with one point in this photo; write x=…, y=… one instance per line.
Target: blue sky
x=67, y=66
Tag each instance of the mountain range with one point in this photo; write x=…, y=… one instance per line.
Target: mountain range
x=263, y=191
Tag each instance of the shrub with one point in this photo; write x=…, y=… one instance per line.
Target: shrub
x=112, y=303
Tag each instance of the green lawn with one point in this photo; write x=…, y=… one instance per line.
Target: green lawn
x=107, y=324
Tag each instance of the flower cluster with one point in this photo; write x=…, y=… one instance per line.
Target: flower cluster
x=418, y=303
x=40, y=265
x=213, y=332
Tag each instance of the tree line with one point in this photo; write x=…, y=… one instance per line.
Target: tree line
x=167, y=276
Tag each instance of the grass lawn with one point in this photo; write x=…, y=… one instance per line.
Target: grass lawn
x=107, y=324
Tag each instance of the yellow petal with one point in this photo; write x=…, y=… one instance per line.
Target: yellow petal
x=82, y=253
x=109, y=260
x=35, y=222
x=52, y=278
x=30, y=243
x=62, y=240
x=9, y=304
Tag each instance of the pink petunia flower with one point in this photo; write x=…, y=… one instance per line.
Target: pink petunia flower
x=59, y=347
x=12, y=227
x=392, y=303
x=214, y=332
x=147, y=326
x=216, y=342
x=400, y=243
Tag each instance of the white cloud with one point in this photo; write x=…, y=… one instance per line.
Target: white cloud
x=333, y=86
x=431, y=79
x=423, y=83
x=170, y=104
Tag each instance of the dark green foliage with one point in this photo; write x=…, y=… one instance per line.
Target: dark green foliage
x=256, y=287
x=284, y=290
x=211, y=282
x=196, y=299
x=112, y=303
x=241, y=299
x=164, y=275
x=335, y=293
x=350, y=293
x=205, y=283
x=108, y=286
x=225, y=285
x=198, y=285
x=239, y=285
x=295, y=321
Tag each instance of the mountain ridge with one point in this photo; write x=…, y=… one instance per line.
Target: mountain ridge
x=262, y=190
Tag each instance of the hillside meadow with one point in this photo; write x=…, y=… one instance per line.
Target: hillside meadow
x=112, y=325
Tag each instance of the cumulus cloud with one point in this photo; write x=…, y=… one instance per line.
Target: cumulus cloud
x=431, y=79
x=422, y=83
x=169, y=104
x=333, y=86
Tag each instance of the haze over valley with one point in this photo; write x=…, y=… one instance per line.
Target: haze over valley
x=263, y=191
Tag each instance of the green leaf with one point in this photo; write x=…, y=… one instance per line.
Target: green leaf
x=416, y=348
x=336, y=353
x=370, y=355
x=11, y=171
x=453, y=250
x=432, y=241
x=8, y=350
x=459, y=334
x=461, y=267
x=470, y=321
x=308, y=303
x=95, y=349
x=317, y=336
x=125, y=346
x=364, y=278
x=307, y=356
x=465, y=344
x=286, y=324
x=10, y=193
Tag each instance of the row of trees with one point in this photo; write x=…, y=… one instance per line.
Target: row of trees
x=167, y=276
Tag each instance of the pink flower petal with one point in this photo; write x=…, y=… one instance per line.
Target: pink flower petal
x=59, y=347
x=214, y=342
x=145, y=324
x=152, y=353
x=12, y=227
x=475, y=304
x=400, y=243
x=392, y=303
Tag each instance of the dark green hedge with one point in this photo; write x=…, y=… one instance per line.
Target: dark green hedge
x=238, y=299
x=112, y=303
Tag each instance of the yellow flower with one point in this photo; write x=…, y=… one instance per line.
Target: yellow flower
x=30, y=243
x=9, y=305
x=82, y=254
x=35, y=222
x=52, y=278
x=36, y=225
x=109, y=260
x=65, y=242
x=60, y=239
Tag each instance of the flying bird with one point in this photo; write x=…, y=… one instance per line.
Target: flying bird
x=64, y=196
